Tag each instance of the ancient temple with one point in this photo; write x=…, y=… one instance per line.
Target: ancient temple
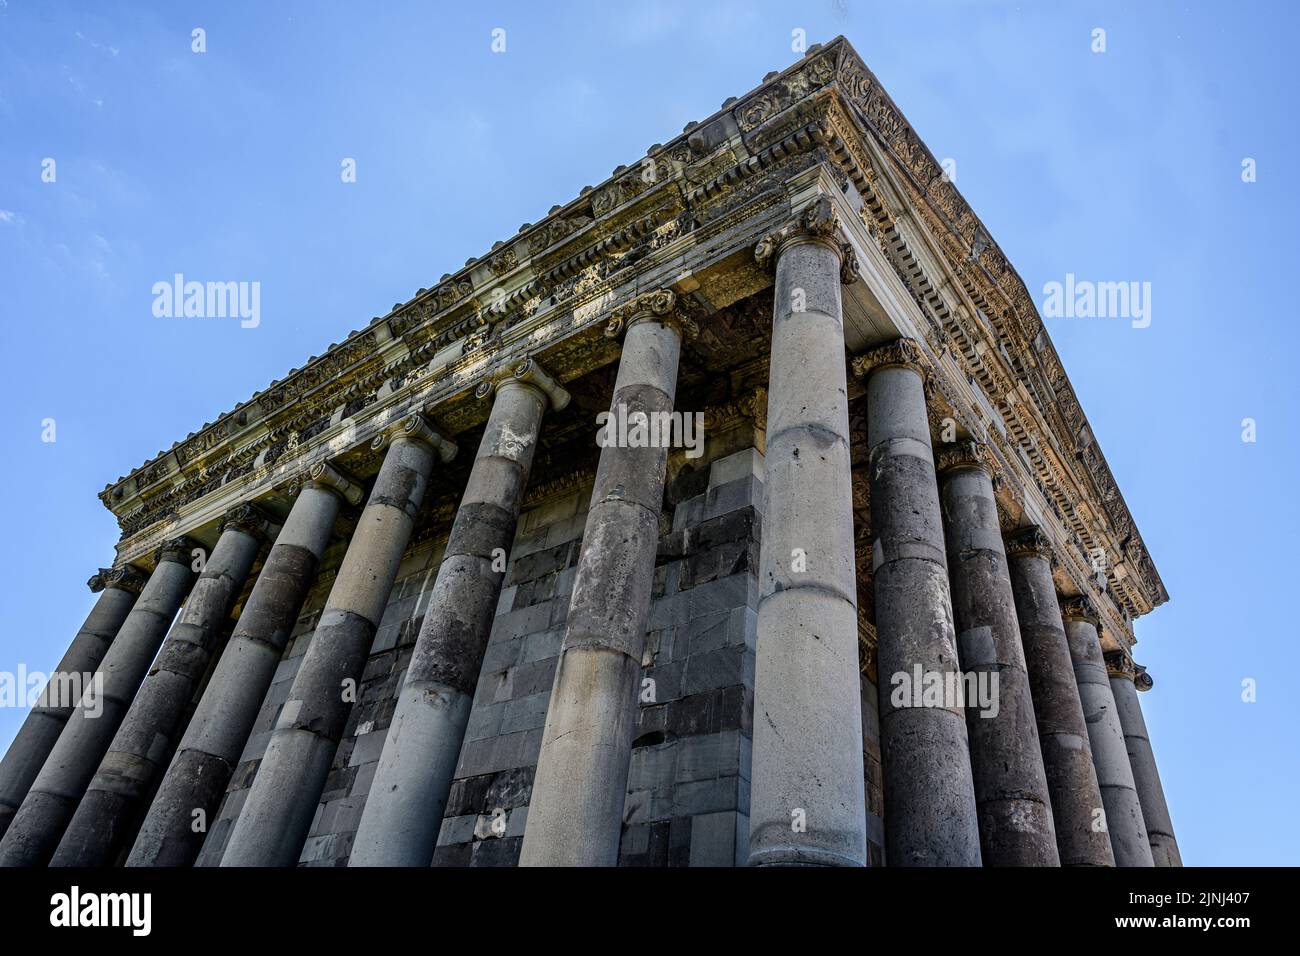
x=739, y=511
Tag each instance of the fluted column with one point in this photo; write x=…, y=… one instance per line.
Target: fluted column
x=1123, y=816
x=118, y=589
x=191, y=790
x=807, y=800
x=403, y=813
x=277, y=814
x=1015, y=813
x=575, y=816
x=1125, y=679
x=40, y=821
x=115, y=799
x=1062, y=731
x=930, y=813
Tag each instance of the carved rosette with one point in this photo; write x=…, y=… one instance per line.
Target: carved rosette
x=416, y=428
x=124, y=578
x=661, y=304
x=248, y=518
x=1030, y=541
x=324, y=475
x=816, y=222
x=524, y=372
x=965, y=454
x=900, y=353
x=1079, y=609
x=1119, y=664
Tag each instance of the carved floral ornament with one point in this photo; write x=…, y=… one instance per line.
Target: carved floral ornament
x=816, y=222
x=661, y=304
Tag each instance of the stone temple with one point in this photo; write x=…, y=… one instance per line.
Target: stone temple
x=880, y=612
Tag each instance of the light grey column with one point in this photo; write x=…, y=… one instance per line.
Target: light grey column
x=1015, y=813
x=191, y=790
x=576, y=814
x=1123, y=811
x=58, y=788
x=118, y=589
x=403, y=812
x=930, y=813
x=1081, y=836
x=277, y=814
x=1125, y=679
x=111, y=808
x=807, y=799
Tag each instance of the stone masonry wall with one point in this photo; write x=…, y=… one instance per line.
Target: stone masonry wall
x=688, y=784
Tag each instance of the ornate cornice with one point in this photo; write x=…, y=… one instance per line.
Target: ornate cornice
x=1079, y=609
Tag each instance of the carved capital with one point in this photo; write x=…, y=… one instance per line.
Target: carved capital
x=660, y=304
x=1119, y=664
x=1031, y=541
x=1142, y=679
x=416, y=428
x=1079, y=609
x=965, y=454
x=900, y=353
x=816, y=222
x=526, y=373
x=324, y=475
x=124, y=578
x=248, y=518
x=178, y=550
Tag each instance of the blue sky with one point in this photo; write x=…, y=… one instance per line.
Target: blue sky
x=1117, y=166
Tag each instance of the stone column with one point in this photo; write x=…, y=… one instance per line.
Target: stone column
x=575, y=817
x=1015, y=813
x=209, y=751
x=403, y=812
x=1125, y=680
x=807, y=799
x=115, y=799
x=277, y=814
x=54, y=795
x=1062, y=732
x=118, y=589
x=930, y=813
x=1124, y=823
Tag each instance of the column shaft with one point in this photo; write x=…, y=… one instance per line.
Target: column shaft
x=54, y=795
x=1062, y=731
x=807, y=799
x=276, y=817
x=403, y=813
x=1015, y=814
x=930, y=813
x=108, y=813
x=209, y=751
x=1123, y=816
x=575, y=817
x=1155, y=811
x=39, y=732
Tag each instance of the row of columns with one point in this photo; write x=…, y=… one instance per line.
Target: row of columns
x=1025, y=787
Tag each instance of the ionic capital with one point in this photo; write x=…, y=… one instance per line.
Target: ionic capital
x=966, y=454
x=248, y=518
x=179, y=550
x=1079, y=609
x=1119, y=664
x=900, y=353
x=817, y=222
x=526, y=373
x=416, y=428
x=1030, y=541
x=124, y=578
x=324, y=475
x=660, y=305
x=1142, y=679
